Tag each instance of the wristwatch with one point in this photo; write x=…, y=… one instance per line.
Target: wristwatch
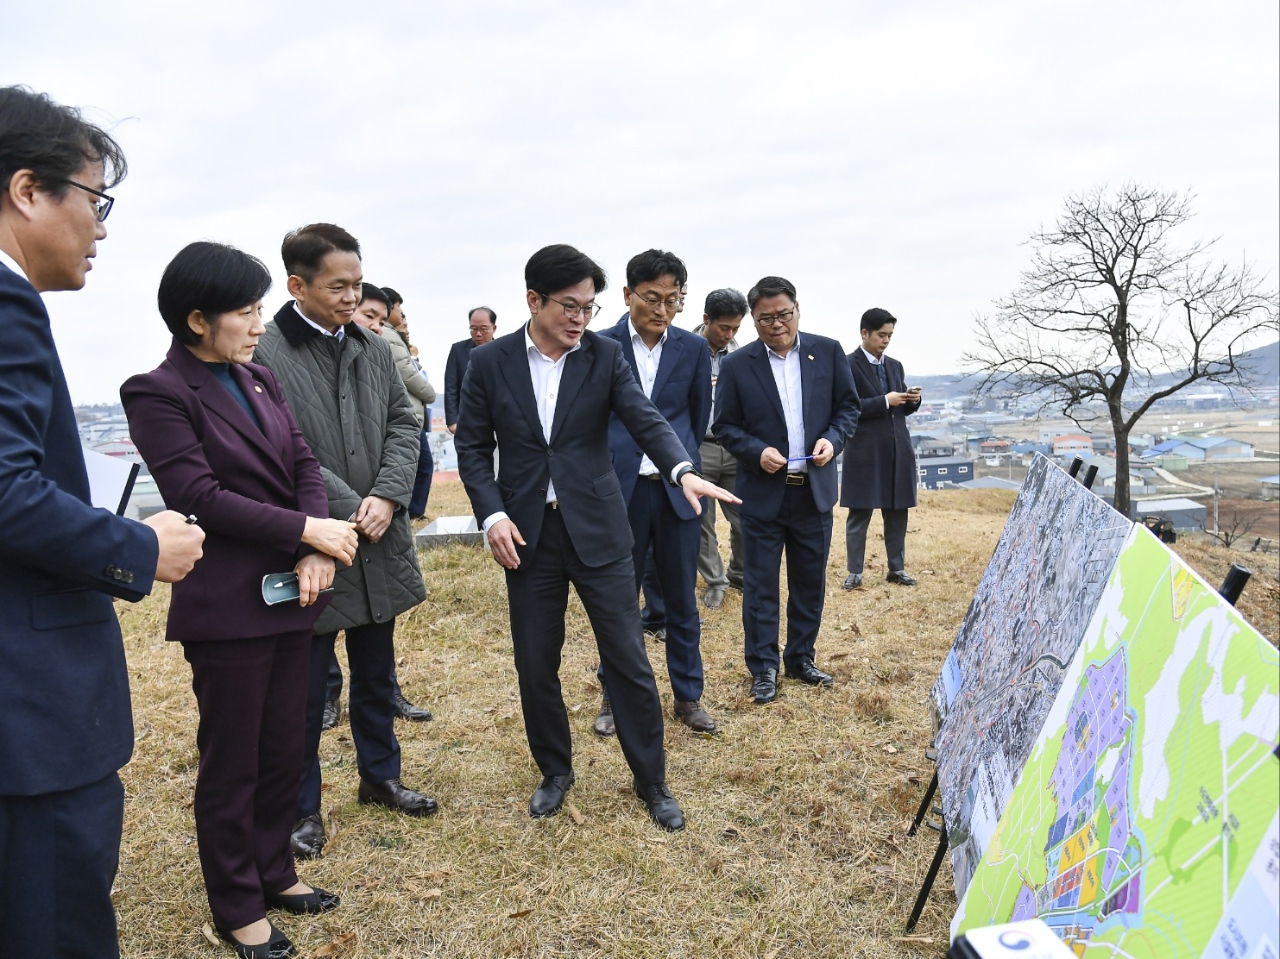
x=685, y=470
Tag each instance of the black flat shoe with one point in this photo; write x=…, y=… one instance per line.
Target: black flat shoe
x=548, y=798
x=304, y=903
x=900, y=577
x=332, y=714
x=407, y=710
x=277, y=945
x=804, y=670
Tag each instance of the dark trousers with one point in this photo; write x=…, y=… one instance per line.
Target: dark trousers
x=370, y=654
x=252, y=696
x=422, y=482
x=537, y=595
x=672, y=545
x=803, y=533
x=895, y=538
x=653, y=616
x=58, y=859
x=333, y=682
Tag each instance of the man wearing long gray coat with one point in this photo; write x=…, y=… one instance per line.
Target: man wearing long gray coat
x=341, y=383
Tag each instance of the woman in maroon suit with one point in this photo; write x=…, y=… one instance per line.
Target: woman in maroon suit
x=222, y=445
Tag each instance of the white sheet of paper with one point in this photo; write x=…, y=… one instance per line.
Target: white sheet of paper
x=110, y=480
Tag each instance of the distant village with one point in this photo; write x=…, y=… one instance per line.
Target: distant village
x=962, y=444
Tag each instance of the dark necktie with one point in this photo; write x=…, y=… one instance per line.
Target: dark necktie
x=884, y=380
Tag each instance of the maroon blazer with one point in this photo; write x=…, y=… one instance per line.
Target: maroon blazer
x=251, y=489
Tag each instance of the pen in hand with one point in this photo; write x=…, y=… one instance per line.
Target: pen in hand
x=798, y=459
x=191, y=519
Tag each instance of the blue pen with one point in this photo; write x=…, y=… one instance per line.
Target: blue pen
x=798, y=459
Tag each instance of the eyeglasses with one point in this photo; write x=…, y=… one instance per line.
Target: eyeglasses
x=673, y=304
x=101, y=207
x=571, y=310
x=783, y=318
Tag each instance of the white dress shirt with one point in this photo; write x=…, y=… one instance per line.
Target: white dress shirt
x=12, y=264
x=339, y=335
x=786, y=375
x=878, y=362
x=647, y=361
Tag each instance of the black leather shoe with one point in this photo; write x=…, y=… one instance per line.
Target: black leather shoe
x=714, y=598
x=393, y=794
x=764, y=687
x=804, y=670
x=332, y=713
x=663, y=808
x=407, y=710
x=277, y=945
x=900, y=577
x=308, y=837
x=549, y=797
x=304, y=903
x=853, y=581
x=604, y=720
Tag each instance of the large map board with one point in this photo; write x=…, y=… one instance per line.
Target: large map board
x=1146, y=823
x=1024, y=625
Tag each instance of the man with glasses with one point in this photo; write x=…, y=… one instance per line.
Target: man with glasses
x=483, y=322
x=65, y=722
x=674, y=371
x=785, y=407
x=554, y=515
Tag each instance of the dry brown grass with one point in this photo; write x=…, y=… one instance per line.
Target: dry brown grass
x=798, y=812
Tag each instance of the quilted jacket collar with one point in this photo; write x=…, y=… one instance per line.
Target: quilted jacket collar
x=297, y=332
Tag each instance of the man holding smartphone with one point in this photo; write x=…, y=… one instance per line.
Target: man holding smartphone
x=879, y=463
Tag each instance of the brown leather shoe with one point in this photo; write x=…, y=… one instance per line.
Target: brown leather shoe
x=604, y=721
x=695, y=717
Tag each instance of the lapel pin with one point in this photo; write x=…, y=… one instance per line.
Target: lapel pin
x=810, y=356
x=258, y=389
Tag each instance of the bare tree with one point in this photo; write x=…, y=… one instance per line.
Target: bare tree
x=1237, y=530
x=1111, y=316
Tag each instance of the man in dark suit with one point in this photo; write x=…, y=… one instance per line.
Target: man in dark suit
x=483, y=322
x=879, y=463
x=65, y=721
x=555, y=513
x=673, y=369
x=785, y=407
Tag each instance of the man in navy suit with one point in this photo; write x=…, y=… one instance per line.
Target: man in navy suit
x=673, y=369
x=879, y=464
x=555, y=514
x=785, y=407
x=65, y=720
x=481, y=323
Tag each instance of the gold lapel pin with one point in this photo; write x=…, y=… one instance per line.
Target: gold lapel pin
x=810, y=356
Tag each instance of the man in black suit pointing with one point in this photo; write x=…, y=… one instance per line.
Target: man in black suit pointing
x=555, y=515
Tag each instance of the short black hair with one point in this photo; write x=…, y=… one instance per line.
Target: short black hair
x=393, y=297
x=370, y=292
x=210, y=277
x=770, y=286
x=560, y=266
x=52, y=141
x=493, y=317
x=305, y=248
x=652, y=265
x=726, y=302
x=875, y=318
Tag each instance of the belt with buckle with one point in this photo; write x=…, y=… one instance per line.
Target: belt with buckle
x=651, y=476
x=795, y=479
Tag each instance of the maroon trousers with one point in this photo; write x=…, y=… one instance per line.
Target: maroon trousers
x=252, y=695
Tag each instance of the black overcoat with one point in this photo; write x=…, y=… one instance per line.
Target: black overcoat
x=879, y=463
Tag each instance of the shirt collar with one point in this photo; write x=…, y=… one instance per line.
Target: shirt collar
x=12, y=264
x=635, y=335
x=530, y=345
x=871, y=359
x=794, y=347
x=316, y=326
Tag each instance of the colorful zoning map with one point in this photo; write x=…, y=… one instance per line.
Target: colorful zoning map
x=1146, y=823
x=1026, y=620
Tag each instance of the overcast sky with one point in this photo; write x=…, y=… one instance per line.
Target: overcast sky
x=876, y=154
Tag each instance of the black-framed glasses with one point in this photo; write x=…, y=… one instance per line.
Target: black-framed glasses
x=102, y=207
x=783, y=318
x=571, y=310
x=673, y=303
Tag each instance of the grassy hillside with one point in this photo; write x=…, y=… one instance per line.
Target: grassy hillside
x=798, y=812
